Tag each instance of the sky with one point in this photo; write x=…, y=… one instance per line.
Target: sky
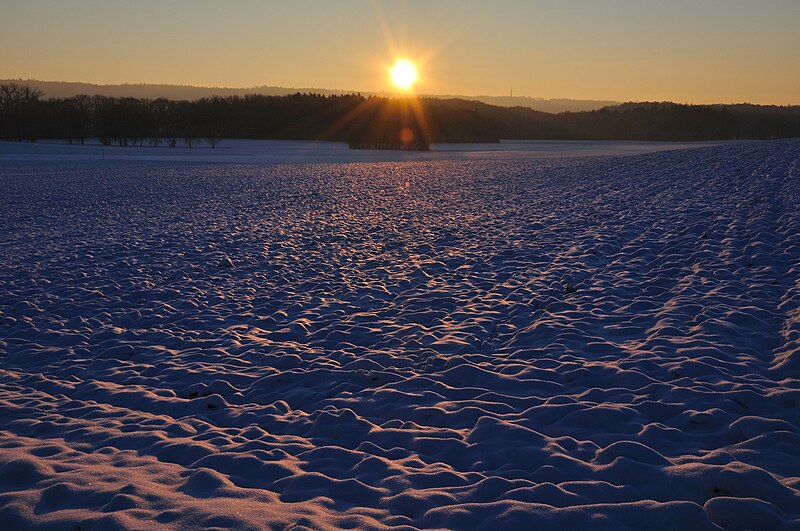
x=693, y=51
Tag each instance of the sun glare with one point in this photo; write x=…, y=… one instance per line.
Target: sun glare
x=404, y=74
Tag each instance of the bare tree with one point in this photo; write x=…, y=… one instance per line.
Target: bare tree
x=18, y=105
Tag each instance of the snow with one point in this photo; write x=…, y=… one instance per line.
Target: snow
x=511, y=339
x=289, y=151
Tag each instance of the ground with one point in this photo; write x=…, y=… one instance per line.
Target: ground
x=602, y=342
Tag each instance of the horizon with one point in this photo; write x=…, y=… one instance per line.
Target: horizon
x=693, y=52
x=384, y=93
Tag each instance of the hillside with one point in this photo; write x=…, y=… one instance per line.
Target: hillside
x=67, y=89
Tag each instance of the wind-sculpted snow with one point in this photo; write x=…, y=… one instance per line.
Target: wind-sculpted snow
x=588, y=343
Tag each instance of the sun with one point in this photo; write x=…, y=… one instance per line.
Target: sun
x=403, y=74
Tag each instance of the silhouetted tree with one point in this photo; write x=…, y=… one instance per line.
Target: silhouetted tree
x=19, y=112
x=373, y=122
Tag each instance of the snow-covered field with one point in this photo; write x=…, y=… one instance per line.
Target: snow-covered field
x=495, y=342
x=289, y=151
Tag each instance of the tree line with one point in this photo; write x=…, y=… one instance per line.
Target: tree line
x=372, y=122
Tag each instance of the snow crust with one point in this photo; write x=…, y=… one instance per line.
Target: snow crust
x=501, y=343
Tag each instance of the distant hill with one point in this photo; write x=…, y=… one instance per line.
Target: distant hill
x=554, y=106
x=66, y=89
x=738, y=109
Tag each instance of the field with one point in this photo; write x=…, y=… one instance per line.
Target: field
x=450, y=341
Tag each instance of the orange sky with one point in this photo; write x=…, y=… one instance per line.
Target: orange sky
x=699, y=51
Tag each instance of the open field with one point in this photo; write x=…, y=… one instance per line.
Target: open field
x=463, y=341
x=301, y=152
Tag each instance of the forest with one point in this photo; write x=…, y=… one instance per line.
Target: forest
x=367, y=122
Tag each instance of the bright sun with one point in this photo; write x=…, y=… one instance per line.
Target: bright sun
x=404, y=74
